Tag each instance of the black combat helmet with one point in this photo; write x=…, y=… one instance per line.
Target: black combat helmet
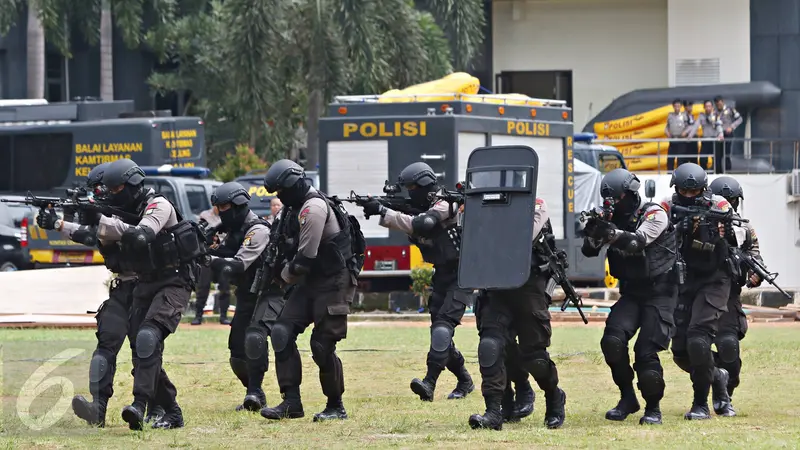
x=421, y=181
x=129, y=176
x=689, y=176
x=94, y=181
x=729, y=188
x=236, y=196
x=288, y=180
x=623, y=187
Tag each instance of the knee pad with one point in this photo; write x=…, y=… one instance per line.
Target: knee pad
x=651, y=383
x=728, y=348
x=489, y=352
x=614, y=348
x=147, y=339
x=98, y=368
x=321, y=352
x=441, y=337
x=280, y=337
x=255, y=345
x=540, y=368
x=698, y=348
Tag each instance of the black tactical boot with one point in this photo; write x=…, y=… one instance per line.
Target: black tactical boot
x=492, y=418
x=523, y=403
x=464, y=386
x=334, y=410
x=507, y=405
x=720, y=397
x=290, y=408
x=554, y=413
x=628, y=404
x=134, y=415
x=154, y=413
x=198, y=319
x=173, y=418
x=698, y=412
x=652, y=415
x=223, y=319
x=424, y=388
x=253, y=401
x=94, y=413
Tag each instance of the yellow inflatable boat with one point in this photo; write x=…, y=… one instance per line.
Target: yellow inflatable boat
x=638, y=121
x=456, y=83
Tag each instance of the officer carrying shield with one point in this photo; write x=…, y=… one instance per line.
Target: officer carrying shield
x=239, y=258
x=322, y=270
x=500, y=201
x=112, y=315
x=436, y=234
x=162, y=249
x=733, y=323
x=703, y=295
x=642, y=253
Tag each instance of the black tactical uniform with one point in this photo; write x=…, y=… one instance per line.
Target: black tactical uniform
x=320, y=263
x=642, y=253
x=112, y=315
x=733, y=323
x=222, y=300
x=240, y=258
x=525, y=311
x=162, y=250
x=436, y=234
x=703, y=296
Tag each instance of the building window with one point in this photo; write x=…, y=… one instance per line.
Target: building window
x=54, y=78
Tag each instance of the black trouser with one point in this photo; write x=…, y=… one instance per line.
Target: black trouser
x=157, y=309
x=646, y=306
x=523, y=310
x=701, y=302
x=447, y=305
x=514, y=371
x=204, y=278
x=251, y=325
x=326, y=304
x=112, y=329
x=732, y=329
x=722, y=155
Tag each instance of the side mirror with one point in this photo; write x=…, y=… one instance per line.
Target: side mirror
x=650, y=188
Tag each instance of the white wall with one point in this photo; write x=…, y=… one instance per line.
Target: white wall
x=612, y=47
x=775, y=221
x=727, y=38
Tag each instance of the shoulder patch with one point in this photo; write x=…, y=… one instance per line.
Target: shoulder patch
x=304, y=214
x=150, y=208
x=247, y=238
x=650, y=215
x=724, y=205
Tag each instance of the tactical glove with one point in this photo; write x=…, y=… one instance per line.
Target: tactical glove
x=372, y=207
x=47, y=219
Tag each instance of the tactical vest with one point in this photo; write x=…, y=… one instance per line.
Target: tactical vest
x=442, y=248
x=539, y=259
x=231, y=245
x=335, y=252
x=656, y=259
x=704, y=251
x=173, y=248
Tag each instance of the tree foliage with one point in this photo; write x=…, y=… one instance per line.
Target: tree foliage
x=242, y=161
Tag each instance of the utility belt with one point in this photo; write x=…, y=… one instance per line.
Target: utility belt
x=172, y=249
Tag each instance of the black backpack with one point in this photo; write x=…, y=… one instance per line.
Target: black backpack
x=358, y=243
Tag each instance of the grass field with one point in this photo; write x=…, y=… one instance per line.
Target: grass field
x=379, y=362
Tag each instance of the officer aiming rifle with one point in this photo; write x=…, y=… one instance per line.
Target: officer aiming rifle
x=76, y=202
x=392, y=200
x=604, y=213
x=279, y=250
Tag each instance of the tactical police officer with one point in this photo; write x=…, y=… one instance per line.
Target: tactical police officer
x=711, y=124
x=320, y=263
x=210, y=219
x=435, y=232
x=112, y=315
x=641, y=255
x=525, y=310
x=703, y=295
x=239, y=258
x=733, y=323
x=162, y=249
x=679, y=125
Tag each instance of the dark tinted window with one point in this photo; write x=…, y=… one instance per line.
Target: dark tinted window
x=606, y=162
x=163, y=189
x=34, y=162
x=198, y=198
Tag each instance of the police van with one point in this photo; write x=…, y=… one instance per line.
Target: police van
x=46, y=148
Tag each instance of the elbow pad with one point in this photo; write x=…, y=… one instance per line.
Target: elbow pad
x=629, y=242
x=588, y=249
x=227, y=267
x=138, y=237
x=86, y=236
x=424, y=224
x=300, y=265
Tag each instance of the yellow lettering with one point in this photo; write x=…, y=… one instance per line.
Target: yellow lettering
x=368, y=129
x=527, y=128
x=423, y=128
x=569, y=154
x=252, y=190
x=183, y=164
x=383, y=132
x=569, y=167
x=177, y=134
x=411, y=129
x=569, y=141
x=570, y=181
x=570, y=194
x=82, y=171
x=571, y=207
x=349, y=128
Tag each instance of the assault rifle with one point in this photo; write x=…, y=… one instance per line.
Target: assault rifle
x=743, y=258
x=75, y=203
x=603, y=213
x=392, y=200
x=706, y=213
x=279, y=250
x=453, y=198
x=558, y=264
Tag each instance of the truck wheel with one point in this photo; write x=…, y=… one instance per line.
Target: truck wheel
x=8, y=267
x=610, y=281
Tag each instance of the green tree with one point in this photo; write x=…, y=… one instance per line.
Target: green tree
x=242, y=161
